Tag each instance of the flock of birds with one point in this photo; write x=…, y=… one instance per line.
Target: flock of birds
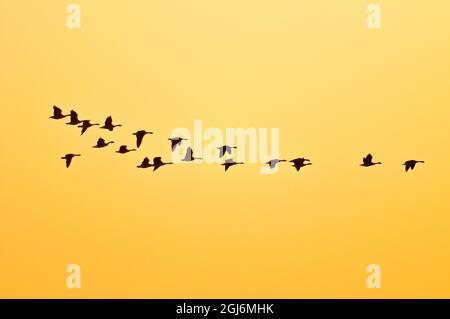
x=298, y=163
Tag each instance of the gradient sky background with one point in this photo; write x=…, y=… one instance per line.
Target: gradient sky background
x=336, y=90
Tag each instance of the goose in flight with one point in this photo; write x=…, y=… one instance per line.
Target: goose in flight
x=230, y=162
x=85, y=125
x=175, y=141
x=145, y=163
x=124, y=149
x=68, y=158
x=140, y=137
x=411, y=164
x=225, y=149
x=273, y=163
x=367, y=161
x=300, y=162
x=101, y=143
x=109, y=124
x=57, y=113
x=189, y=157
x=74, y=118
x=157, y=163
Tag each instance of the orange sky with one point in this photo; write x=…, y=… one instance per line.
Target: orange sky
x=335, y=89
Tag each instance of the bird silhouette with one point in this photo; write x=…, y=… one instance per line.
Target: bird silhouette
x=69, y=158
x=124, y=149
x=273, y=163
x=367, y=161
x=411, y=164
x=101, y=143
x=109, y=124
x=140, y=137
x=85, y=125
x=145, y=163
x=189, y=157
x=300, y=162
x=157, y=163
x=74, y=118
x=225, y=149
x=230, y=162
x=175, y=141
x=57, y=113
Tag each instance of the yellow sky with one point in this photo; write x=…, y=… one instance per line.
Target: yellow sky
x=334, y=88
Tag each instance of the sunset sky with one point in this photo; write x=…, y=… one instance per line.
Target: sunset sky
x=336, y=91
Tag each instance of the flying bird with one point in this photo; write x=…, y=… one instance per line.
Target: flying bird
x=273, y=163
x=225, y=149
x=57, y=113
x=124, y=149
x=74, y=118
x=367, y=161
x=189, y=157
x=86, y=125
x=157, y=163
x=230, y=162
x=145, y=163
x=140, y=137
x=300, y=162
x=175, y=141
x=101, y=143
x=109, y=124
x=69, y=158
x=411, y=164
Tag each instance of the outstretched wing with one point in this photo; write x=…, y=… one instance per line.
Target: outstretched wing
x=73, y=116
x=367, y=159
x=157, y=161
x=57, y=111
x=174, y=143
x=272, y=164
x=68, y=160
x=145, y=162
x=409, y=165
x=222, y=151
x=108, y=121
x=84, y=128
x=139, y=139
x=189, y=155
